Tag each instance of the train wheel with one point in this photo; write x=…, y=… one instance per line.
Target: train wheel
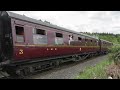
x=57, y=63
x=77, y=58
x=22, y=73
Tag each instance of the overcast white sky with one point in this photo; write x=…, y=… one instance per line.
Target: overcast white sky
x=80, y=21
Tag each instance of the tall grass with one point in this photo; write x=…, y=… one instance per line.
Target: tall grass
x=115, y=54
x=95, y=72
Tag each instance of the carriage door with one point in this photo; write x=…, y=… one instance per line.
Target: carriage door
x=100, y=45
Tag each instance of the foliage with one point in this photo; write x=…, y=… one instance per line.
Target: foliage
x=115, y=54
x=95, y=72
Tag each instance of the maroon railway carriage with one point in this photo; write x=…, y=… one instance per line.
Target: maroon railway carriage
x=25, y=40
x=35, y=39
x=104, y=45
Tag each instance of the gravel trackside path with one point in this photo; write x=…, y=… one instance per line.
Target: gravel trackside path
x=68, y=70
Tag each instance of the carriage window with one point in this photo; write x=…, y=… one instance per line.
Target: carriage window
x=59, y=35
x=19, y=33
x=59, y=39
x=79, y=38
x=39, y=36
x=19, y=30
x=91, y=40
x=41, y=32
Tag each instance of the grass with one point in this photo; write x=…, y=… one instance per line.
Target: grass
x=95, y=72
x=101, y=70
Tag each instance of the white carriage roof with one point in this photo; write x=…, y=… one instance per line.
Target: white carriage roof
x=28, y=19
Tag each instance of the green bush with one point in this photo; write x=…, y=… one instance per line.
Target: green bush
x=114, y=49
x=115, y=54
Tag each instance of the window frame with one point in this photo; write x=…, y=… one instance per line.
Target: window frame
x=59, y=37
x=80, y=39
x=35, y=31
x=59, y=33
x=18, y=25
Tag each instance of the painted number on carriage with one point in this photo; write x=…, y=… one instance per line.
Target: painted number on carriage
x=21, y=51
